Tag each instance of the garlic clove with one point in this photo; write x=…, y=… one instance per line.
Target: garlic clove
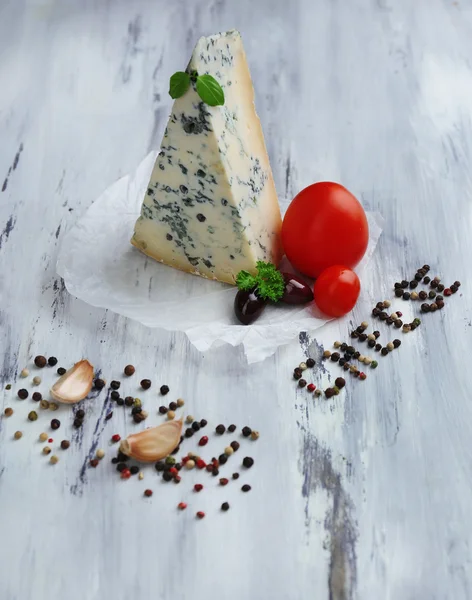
x=75, y=384
x=154, y=443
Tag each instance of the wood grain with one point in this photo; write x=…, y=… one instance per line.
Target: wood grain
x=365, y=496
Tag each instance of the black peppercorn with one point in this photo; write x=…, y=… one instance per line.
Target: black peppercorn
x=413, y=326
x=129, y=370
x=406, y=296
x=346, y=366
x=383, y=316
x=384, y=351
x=196, y=426
x=380, y=305
x=166, y=476
x=65, y=444
x=164, y=389
x=342, y=361
x=434, y=283
x=439, y=298
x=376, y=333
x=98, y=383
x=115, y=385
x=248, y=462
x=356, y=354
x=453, y=289
x=389, y=321
x=440, y=287
x=134, y=470
x=215, y=472
x=375, y=311
x=159, y=466
x=344, y=347
x=203, y=423
x=350, y=350
x=360, y=329
x=426, y=268
x=425, y=307
x=232, y=428
x=189, y=432
x=37, y=396
x=426, y=280
x=121, y=467
x=340, y=382
x=115, y=395
x=61, y=371
x=329, y=392
x=246, y=431
x=235, y=445
x=129, y=400
x=418, y=277
x=302, y=383
x=413, y=284
x=398, y=292
x=404, y=283
x=457, y=284
x=297, y=373
x=378, y=347
x=136, y=410
x=222, y=459
x=398, y=323
x=432, y=294
x=220, y=429
x=246, y=488
x=371, y=343
x=433, y=307
x=334, y=357
x=22, y=394
x=120, y=401
x=52, y=361
x=138, y=417
x=80, y=414
x=310, y=363
x=347, y=356
x=173, y=406
x=354, y=334
x=122, y=457
x=440, y=303
x=235, y=476
x=422, y=295
x=396, y=343
x=55, y=424
x=397, y=285
x=163, y=410
x=225, y=506
x=40, y=361
x=145, y=384
x=362, y=337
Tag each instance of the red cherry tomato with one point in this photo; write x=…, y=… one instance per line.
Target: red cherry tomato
x=337, y=290
x=324, y=225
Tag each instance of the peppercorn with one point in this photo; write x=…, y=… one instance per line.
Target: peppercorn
x=432, y=294
x=214, y=471
x=356, y=354
x=22, y=394
x=181, y=505
x=412, y=327
x=173, y=406
x=302, y=383
x=406, y=296
x=397, y=285
x=337, y=344
x=180, y=402
x=425, y=307
x=166, y=476
x=164, y=389
x=362, y=337
x=120, y=402
x=136, y=410
x=145, y=384
x=40, y=361
x=318, y=393
x=220, y=429
x=189, y=432
x=440, y=303
x=447, y=292
x=329, y=392
x=383, y=316
x=354, y=334
x=433, y=284
x=418, y=276
x=55, y=424
x=224, y=481
x=340, y=382
x=246, y=488
x=297, y=374
x=115, y=385
x=457, y=284
x=235, y=445
x=203, y=423
x=367, y=360
x=326, y=354
x=200, y=514
x=246, y=431
x=375, y=311
x=453, y=289
x=94, y=463
x=54, y=459
x=115, y=395
x=406, y=329
x=138, y=417
x=414, y=296
x=302, y=366
x=8, y=411
x=334, y=357
x=374, y=364
x=390, y=346
x=311, y=386
x=378, y=347
x=196, y=426
x=398, y=292
x=380, y=305
x=362, y=376
x=371, y=343
x=203, y=441
x=433, y=307
x=398, y=323
x=32, y=416
x=129, y=370
x=159, y=466
x=134, y=470
x=414, y=284
x=310, y=363
x=389, y=321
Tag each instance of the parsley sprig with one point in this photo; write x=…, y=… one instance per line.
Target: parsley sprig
x=268, y=283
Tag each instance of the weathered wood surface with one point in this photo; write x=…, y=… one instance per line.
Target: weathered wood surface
x=366, y=496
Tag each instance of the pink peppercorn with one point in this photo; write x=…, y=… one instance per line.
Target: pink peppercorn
x=399, y=314
x=362, y=375
x=209, y=468
x=177, y=478
x=181, y=505
x=201, y=464
x=311, y=387
x=148, y=493
x=203, y=441
x=125, y=474
x=115, y=438
x=223, y=481
x=200, y=514
x=173, y=471
x=447, y=292
x=198, y=487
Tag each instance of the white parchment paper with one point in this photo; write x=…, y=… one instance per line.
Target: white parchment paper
x=99, y=266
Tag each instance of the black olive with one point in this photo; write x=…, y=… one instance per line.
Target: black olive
x=248, y=306
x=296, y=290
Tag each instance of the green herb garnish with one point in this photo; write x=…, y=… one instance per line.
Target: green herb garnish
x=268, y=283
x=209, y=90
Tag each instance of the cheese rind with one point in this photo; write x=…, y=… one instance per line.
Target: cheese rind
x=211, y=207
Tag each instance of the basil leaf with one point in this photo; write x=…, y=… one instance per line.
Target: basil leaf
x=179, y=84
x=210, y=91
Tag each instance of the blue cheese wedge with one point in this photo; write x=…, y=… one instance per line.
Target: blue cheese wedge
x=211, y=207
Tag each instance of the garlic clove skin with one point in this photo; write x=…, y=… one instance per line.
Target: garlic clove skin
x=75, y=384
x=154, y=443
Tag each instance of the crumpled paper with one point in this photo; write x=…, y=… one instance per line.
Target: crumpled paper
x=99, y=266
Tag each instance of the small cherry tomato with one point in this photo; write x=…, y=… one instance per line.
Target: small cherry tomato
x=324, y=225
x=337, y=290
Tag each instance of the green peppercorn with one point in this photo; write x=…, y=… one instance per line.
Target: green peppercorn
x=33, y=415
x=374, y=364
x=170, y=460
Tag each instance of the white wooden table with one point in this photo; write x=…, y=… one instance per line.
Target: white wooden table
x=365, y=496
